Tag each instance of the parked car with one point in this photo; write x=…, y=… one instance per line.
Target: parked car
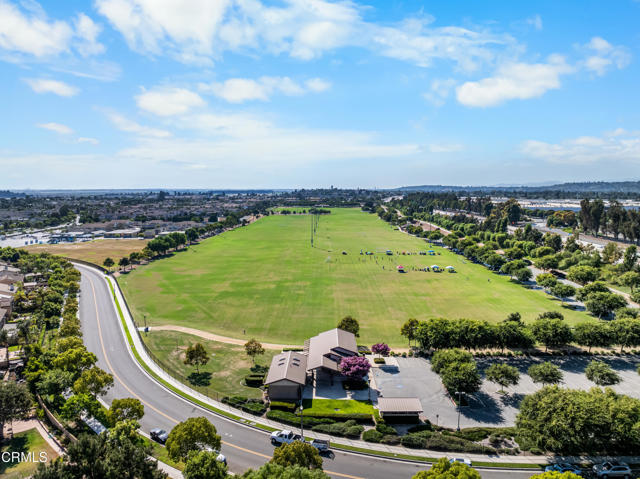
x=219, y=456
x=612, y=469
x=321, y=445
x=460, y=459
x=285, y=437
x=562, y=467
x=159, y=435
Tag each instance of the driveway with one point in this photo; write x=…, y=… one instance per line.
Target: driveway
x=413, y=377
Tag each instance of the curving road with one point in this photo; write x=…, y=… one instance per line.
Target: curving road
x=244, y=446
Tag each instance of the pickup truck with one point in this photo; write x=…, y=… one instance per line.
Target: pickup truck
x=285, y=437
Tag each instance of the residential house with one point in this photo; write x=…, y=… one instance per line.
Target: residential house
x=326, y=350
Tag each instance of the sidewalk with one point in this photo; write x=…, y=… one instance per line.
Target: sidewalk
x=254, y=421
x=33, y=423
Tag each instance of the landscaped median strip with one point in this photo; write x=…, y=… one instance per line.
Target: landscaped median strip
x=263, y=427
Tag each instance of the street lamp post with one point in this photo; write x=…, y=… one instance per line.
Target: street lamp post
x=301, y=420
x=437, y=419
x=459, y=403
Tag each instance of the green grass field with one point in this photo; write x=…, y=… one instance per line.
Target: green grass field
x=228, y=364
x=267, y=280
x=24, y=442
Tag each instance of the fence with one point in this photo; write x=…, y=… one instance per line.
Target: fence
x=206, y=390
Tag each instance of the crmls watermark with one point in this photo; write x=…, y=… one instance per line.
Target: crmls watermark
x=16, y=456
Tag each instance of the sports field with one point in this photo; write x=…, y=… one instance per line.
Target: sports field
x=92, y=251
x=266, y=281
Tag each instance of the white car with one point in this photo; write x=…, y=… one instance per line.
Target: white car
x=285, y=437
x=220, y=457
x=460, y=459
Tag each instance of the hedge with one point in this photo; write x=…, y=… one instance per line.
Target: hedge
x=379, y=361
x=420, y=427
x=345, y=429
x=371, y=435
x=360, y=416
x=283, y=405
x=294, y=420
x=386, y=430
x=412, y=441
x=254, y=380
x=284, y=350
x=254, y=408
x=391, y=440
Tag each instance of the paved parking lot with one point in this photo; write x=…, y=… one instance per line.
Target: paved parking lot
x=413, y=377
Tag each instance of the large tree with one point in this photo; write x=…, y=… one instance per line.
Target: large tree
x=125, y=409
x=253, y=348
x=409, y=329
x=601, y=373
x=590, y=334
x=551, y=332
x=192, y=435
x=93, y=381
x=275, y=471
x=503, y=374
x=115, y=454
x=443, y=469
x=545, y=373
x=570, y=421
x=355, y=367
x=196, y=356
x=15, y=403
x=297, y=453
x=461, y=377
x=204, y=465
x=349, y=323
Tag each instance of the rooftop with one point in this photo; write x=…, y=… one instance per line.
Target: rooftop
x=289, y=365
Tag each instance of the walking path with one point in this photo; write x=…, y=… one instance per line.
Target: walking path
x=216, y=337
x=33, y=423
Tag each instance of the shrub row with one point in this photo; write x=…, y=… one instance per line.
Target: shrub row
x=379, y=361
x=283, y=405
x=294, y=420
x=253, y=406
x=359, y=417
x=254, y=380
x=443, y=442
x=349, y=429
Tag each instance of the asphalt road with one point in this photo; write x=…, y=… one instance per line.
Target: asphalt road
x=244, y=446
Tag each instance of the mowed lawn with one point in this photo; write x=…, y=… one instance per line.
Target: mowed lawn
x=24, y=442
x=95, y=251
x=224, y=373
x=267, y=281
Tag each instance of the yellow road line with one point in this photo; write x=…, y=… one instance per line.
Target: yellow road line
x=106, y=358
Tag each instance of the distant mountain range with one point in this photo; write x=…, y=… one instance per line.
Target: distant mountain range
x=578, y=187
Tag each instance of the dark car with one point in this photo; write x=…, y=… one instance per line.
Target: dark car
x=159, y=435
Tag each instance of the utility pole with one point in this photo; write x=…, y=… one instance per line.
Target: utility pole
x=301, y=420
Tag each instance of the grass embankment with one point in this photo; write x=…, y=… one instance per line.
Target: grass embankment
x=267, y=281
x=225, y=371
x=24, y=442
x=92, y=251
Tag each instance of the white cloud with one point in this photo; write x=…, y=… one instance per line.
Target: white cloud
x=611, y=149
x=535, y=21
x=514, y=81
x=30, y=32
x=185, y=29
x=91, y=141
x=238, y=90
x=87, y=31
x=130, y=126
x=57, y=127
x=45, y=85
x=168, y=101
x=317, y=85
x=602, y=56
x=302, y=29
x=439, y=91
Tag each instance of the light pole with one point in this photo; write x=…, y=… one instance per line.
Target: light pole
x=459, y=403
x=301, y=420
x=437, y=419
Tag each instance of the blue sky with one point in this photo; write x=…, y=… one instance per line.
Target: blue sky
x=306, y=93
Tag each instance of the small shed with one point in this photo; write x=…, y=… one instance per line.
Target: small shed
x=287, y=376
x=400, y=408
